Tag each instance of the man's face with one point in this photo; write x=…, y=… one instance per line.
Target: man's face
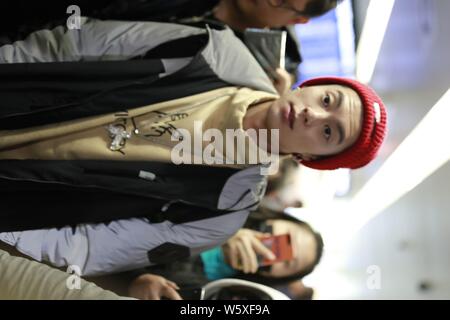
x=316, y=121
x=304, y=247
x=260, y=14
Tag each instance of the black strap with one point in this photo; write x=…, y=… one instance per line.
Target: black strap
x=179, y=213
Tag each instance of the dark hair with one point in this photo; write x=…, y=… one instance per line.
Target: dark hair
x=316, y=8
x=257, y=221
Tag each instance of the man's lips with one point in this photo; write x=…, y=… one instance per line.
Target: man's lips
x=289, y=114
x=292, y=116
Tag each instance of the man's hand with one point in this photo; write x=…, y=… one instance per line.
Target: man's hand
x=283, y=81
x=242, y=249
x=152, y=287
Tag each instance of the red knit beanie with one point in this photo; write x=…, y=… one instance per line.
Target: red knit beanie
x=373, y=129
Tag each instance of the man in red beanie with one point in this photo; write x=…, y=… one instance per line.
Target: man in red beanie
x=89, y=143
x=327, y=123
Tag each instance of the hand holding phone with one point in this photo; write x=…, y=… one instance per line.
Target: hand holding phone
x=243, y=249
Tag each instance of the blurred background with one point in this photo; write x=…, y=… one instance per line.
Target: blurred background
x=386, y=227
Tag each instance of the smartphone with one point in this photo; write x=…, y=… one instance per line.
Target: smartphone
x=268, y=47
x=192, y=293
x=280, y=245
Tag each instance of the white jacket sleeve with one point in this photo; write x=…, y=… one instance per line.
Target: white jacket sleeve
x=23, y=279
x=121, y=245
x=95, y=40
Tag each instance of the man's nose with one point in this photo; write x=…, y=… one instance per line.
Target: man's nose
x=312, y=116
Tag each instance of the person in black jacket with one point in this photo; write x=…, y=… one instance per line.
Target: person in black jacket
x=65, y=95
x=237, y=14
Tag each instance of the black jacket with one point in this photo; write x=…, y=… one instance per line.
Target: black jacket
x=21, y=17
x=65, y=90
x=121, y=220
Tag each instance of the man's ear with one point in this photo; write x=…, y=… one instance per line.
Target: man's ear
x=301, y=20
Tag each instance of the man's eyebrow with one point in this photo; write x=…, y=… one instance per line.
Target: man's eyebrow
x=341, y=132
x=340, y=99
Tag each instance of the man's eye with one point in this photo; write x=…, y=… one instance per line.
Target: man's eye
x=326, y=100
x=327, y=132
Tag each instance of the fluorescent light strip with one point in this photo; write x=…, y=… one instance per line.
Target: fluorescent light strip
x=375, y=25
x=423, y=152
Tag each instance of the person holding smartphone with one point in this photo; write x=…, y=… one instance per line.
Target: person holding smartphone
x=245, y=251
x=239, y=257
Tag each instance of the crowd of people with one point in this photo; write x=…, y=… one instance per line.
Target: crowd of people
x=93, y=116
